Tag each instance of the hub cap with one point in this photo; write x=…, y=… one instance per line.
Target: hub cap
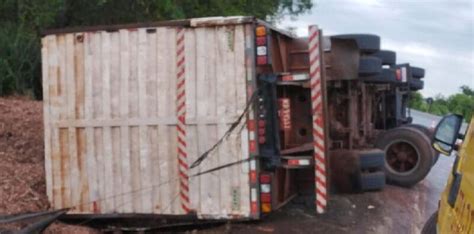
x=402, y=157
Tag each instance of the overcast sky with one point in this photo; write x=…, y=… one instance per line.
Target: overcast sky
x=437, y=35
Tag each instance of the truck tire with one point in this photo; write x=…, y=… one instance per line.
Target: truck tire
x=430, y=225
x=371, y=159
x=429, y=133
x=416, y=84
x=372, y=181
x=370, y=65
x=417, y=72
x=386, y=76
x=367, y=43
x=408, y=155
x=388, y=57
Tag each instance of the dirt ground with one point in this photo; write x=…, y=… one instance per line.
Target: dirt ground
x=22, y=176
x=393, y=210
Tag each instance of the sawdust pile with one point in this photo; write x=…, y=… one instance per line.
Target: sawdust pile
x=22, y=176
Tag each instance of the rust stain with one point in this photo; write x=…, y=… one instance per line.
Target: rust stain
x=64, y=155
x=79, y=79
x=81, y=162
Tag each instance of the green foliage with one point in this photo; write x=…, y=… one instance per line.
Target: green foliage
x=20, y=60
x=467, y=90
x=21, y=23
x=417, y=102
x=460, y=103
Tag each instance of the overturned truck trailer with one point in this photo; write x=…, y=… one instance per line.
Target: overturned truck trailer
x=210, y=118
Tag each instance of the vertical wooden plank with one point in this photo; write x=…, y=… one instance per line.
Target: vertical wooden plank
x=224, y=76
x=210, y=81
x=174, y=206
x=82, y=163
x=201, y=110
x=233, y=142
x=99, y=205
x=62, y=109
x=89, y=59
x=151, y=79
x=115, y=81
x=239, y=68
x=143, y=141
x=152, y=131
x=97, y=95
x=206, y=89
x=135, y=168
x=155, y=173
x=65, y=167
x=116, y=170
x=45, y=56
x=79, y=60
x=79, y=75
x=54, y=115
x=71, y=115
x=115, y=69
x=107, y=134
x=163, y=79
x=124, y=130
x=55, y=102
x=134, y=113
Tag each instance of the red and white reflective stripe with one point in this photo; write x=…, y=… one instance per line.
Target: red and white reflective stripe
x=318, y=121
x=299, y=162
x=181, y=126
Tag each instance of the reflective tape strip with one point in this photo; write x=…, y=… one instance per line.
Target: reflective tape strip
x=318, y=121
x=251, y=59
x=404, y=74
x=299, y=162
x=181, y=125
x=265, y=188
x=253, y=194
x=261, y=50
x=253, y=165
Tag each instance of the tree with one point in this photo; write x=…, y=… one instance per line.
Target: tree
x=417, y=102
x=467, y=90
x=460, y=103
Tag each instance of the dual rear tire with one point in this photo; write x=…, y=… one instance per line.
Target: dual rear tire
x=371, y=176
x=408, y=155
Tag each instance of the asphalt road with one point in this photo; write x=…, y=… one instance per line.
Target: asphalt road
x=392, y=210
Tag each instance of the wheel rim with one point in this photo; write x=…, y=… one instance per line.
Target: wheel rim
x=402, y=157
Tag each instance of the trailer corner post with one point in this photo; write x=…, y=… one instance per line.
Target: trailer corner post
x=317, y=99
x=251, y=83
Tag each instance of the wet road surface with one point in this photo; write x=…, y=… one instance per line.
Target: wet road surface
x=393, y=210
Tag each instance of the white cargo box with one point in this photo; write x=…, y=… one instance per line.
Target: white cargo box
x=112, y=98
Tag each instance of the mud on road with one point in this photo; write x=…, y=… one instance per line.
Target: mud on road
x=392, y=210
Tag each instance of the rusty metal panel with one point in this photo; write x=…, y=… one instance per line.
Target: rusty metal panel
x=343, y=57
x=111, y=122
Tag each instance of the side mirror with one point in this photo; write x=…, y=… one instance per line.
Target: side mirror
x=446, y=134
